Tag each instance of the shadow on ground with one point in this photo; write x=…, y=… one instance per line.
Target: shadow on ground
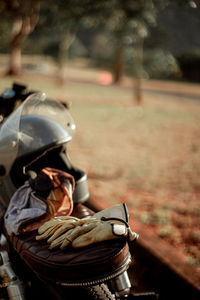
x=147, y=273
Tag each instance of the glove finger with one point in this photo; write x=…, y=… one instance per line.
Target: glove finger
x=48, y=232
x=62, y=229
x=75, y=233
x=52, y=222
x=57, y=242
x=69, y=224
x=47, y=225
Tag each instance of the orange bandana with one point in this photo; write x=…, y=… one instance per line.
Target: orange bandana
x=59, y=200
x=58, y=187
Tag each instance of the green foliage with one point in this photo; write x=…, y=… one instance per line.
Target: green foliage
x=5, y=28
x=76, y=50
x=161, y=64
x=100, y=57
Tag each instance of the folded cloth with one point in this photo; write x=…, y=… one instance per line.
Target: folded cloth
x=24, y=205
x=38, y=200
x=105, y=225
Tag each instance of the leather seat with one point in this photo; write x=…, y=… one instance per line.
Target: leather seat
x=72, y=266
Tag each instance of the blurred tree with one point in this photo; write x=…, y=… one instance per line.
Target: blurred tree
x=24, y=16
x=130, y=28
x=126, y=22
x=62, y=19
x=130, y=24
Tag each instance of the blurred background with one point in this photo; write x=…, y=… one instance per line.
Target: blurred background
x=130, y=72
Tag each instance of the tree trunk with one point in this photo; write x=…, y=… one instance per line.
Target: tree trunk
x=15, y=48
x=15, y=61
x=137, y=86
x=138, y=99
x=64, y=45
x=23, y=25
x=118, y=67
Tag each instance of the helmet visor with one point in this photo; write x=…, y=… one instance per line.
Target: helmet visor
x=11, y=133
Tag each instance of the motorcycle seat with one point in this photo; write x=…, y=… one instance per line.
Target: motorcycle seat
x=73, y=267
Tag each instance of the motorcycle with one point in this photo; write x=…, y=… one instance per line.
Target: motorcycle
x=34, y=164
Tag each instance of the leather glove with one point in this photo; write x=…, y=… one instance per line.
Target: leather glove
x=92, y=232
x=84, y=232
x=68, y=237
x=63, y=231
x=70, y=224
